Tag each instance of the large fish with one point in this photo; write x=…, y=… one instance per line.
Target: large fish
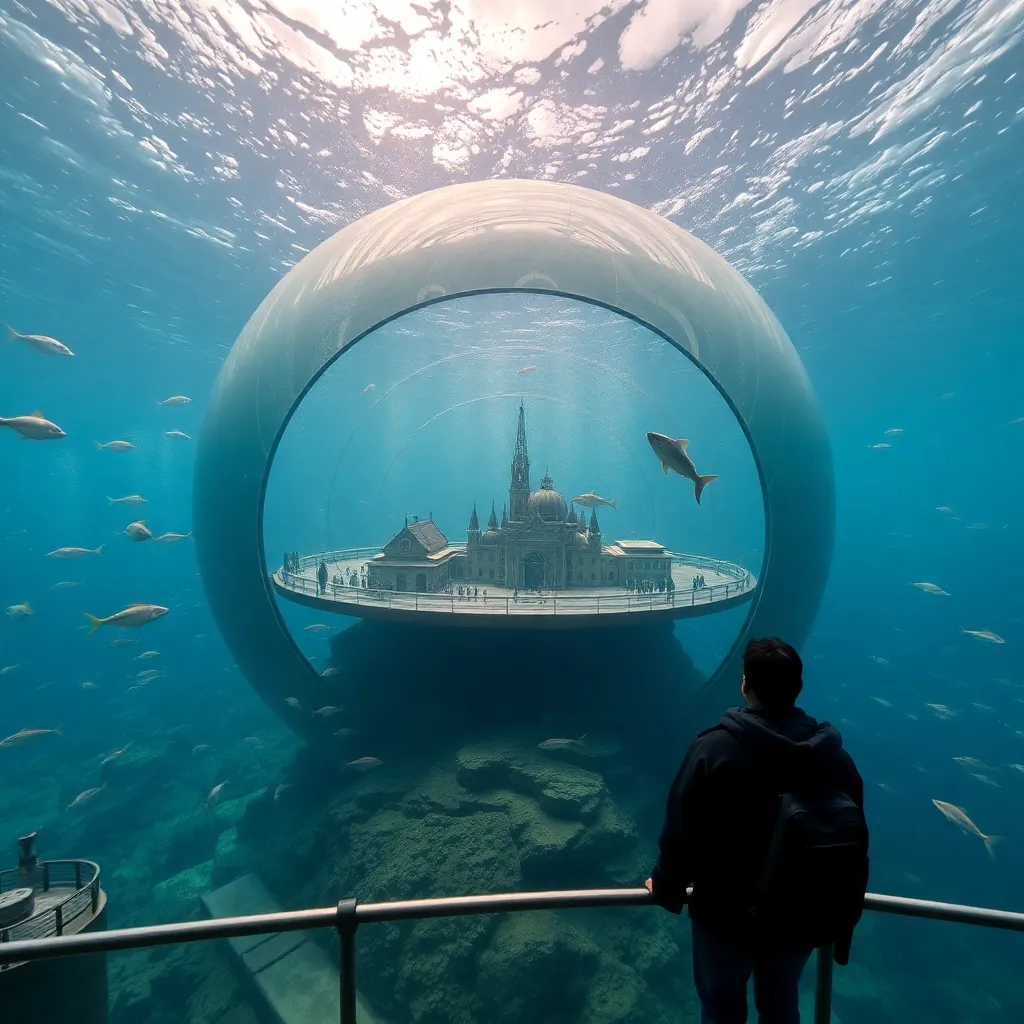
x=672, y=454
x=33, y=427
x=24, y=735
x=132, y=617
x=74, y=552
x=41, y=343
x=592, y=500
x=958, y=816
x=173, y=400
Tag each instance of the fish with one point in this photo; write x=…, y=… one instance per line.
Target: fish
x=331, y=670
x=145, y=655
x=978, y=526
x=173, y=400
x=958, y=816
x=1016, y=422
x=592, y=500
x=8, y=669
x=942, y=711
x=931, y=588
x=525, y=371
x=122, y=641
x=66, y=584
x=89, y=685
x=293, y=702
x=564, y=744
x=281, y=790
x=367, y=389
x=945, y=510
x=318, y=627
x=177, y=435
x=114, y=446
x=879, y=660
x=33, y=427
x=882, y=701
x=74, y=552
x=893, y=431
x=214, y=795
x=132, y=617
x=972, y=762
x=41, y=343
x=362, y=764
x=86, y=795
x=344, y=734
x=24, y=735
x=115, y=754
x=149, y=674
x=202, y=748
x=988, y=782
x=327, y=711
x=880, y=447
x=172, y=538
x=20, y=611
x=138, y=531
x=672, y=454
x=131, y=499
x=983, y=634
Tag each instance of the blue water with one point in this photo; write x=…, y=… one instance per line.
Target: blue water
x=162, y=167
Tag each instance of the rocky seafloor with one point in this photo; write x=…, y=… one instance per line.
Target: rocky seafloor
x=454, y=816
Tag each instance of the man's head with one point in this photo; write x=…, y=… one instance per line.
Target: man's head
x=772, y=675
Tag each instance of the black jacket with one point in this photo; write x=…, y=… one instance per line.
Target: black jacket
x=722, y=809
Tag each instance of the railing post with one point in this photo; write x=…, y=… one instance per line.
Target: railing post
x=58, y=919
x=346, y=926
x=823, y=986
x=78, y=875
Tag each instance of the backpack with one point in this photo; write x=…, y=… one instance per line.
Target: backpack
x=811, y=889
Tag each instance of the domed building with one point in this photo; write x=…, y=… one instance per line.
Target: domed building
x=542, y=543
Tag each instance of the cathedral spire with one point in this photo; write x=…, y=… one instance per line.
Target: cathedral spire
x=504, y=517
x=519, y=488
x=474, y=523
x=492, y=523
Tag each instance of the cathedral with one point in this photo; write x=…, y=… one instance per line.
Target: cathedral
x=541, y=543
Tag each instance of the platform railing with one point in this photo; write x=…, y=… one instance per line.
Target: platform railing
x=81, y=879
x=742, y=581
x=349, y=915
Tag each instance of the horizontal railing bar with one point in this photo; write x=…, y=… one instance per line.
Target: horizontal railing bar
x=167, y=934
x=957, y=913
x=404, y=910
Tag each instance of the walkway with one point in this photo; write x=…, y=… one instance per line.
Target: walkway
x=726, y=585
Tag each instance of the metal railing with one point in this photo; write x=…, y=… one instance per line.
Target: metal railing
x=80, y=877
x=742, y=581
x=348, y=916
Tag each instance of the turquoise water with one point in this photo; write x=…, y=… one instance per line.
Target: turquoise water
x=163, y=165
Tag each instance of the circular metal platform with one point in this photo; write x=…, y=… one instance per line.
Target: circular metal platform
x=726, y=586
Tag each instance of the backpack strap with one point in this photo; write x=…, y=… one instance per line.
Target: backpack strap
x=774, y=849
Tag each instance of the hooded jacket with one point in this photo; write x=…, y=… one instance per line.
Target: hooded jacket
x=722, y=809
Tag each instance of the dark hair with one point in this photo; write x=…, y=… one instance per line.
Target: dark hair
x=774, y=673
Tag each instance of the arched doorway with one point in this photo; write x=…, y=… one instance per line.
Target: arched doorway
x=533, y=570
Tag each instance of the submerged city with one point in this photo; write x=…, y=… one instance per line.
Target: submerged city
x=541, y=460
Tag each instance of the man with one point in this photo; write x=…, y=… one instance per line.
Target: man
x=726, y=812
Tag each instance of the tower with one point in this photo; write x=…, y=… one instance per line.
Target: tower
x=519, y=488
x=594, y=533
x=492, y=523
x=473, y=533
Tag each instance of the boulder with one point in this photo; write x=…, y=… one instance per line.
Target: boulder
x=178, y=898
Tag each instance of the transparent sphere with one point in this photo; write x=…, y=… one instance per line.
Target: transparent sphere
x=490, y=237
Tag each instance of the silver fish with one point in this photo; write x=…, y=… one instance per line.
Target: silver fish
x=173, y=400
x=114, y=446
x=33, y=427
x=74, y=552
x=41, y=343
x=592, y=500
x=132, y=617
x=672, y=454
x=131, y=499
x=958, y=816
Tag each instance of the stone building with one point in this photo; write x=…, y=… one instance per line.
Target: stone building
x=541, y=543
